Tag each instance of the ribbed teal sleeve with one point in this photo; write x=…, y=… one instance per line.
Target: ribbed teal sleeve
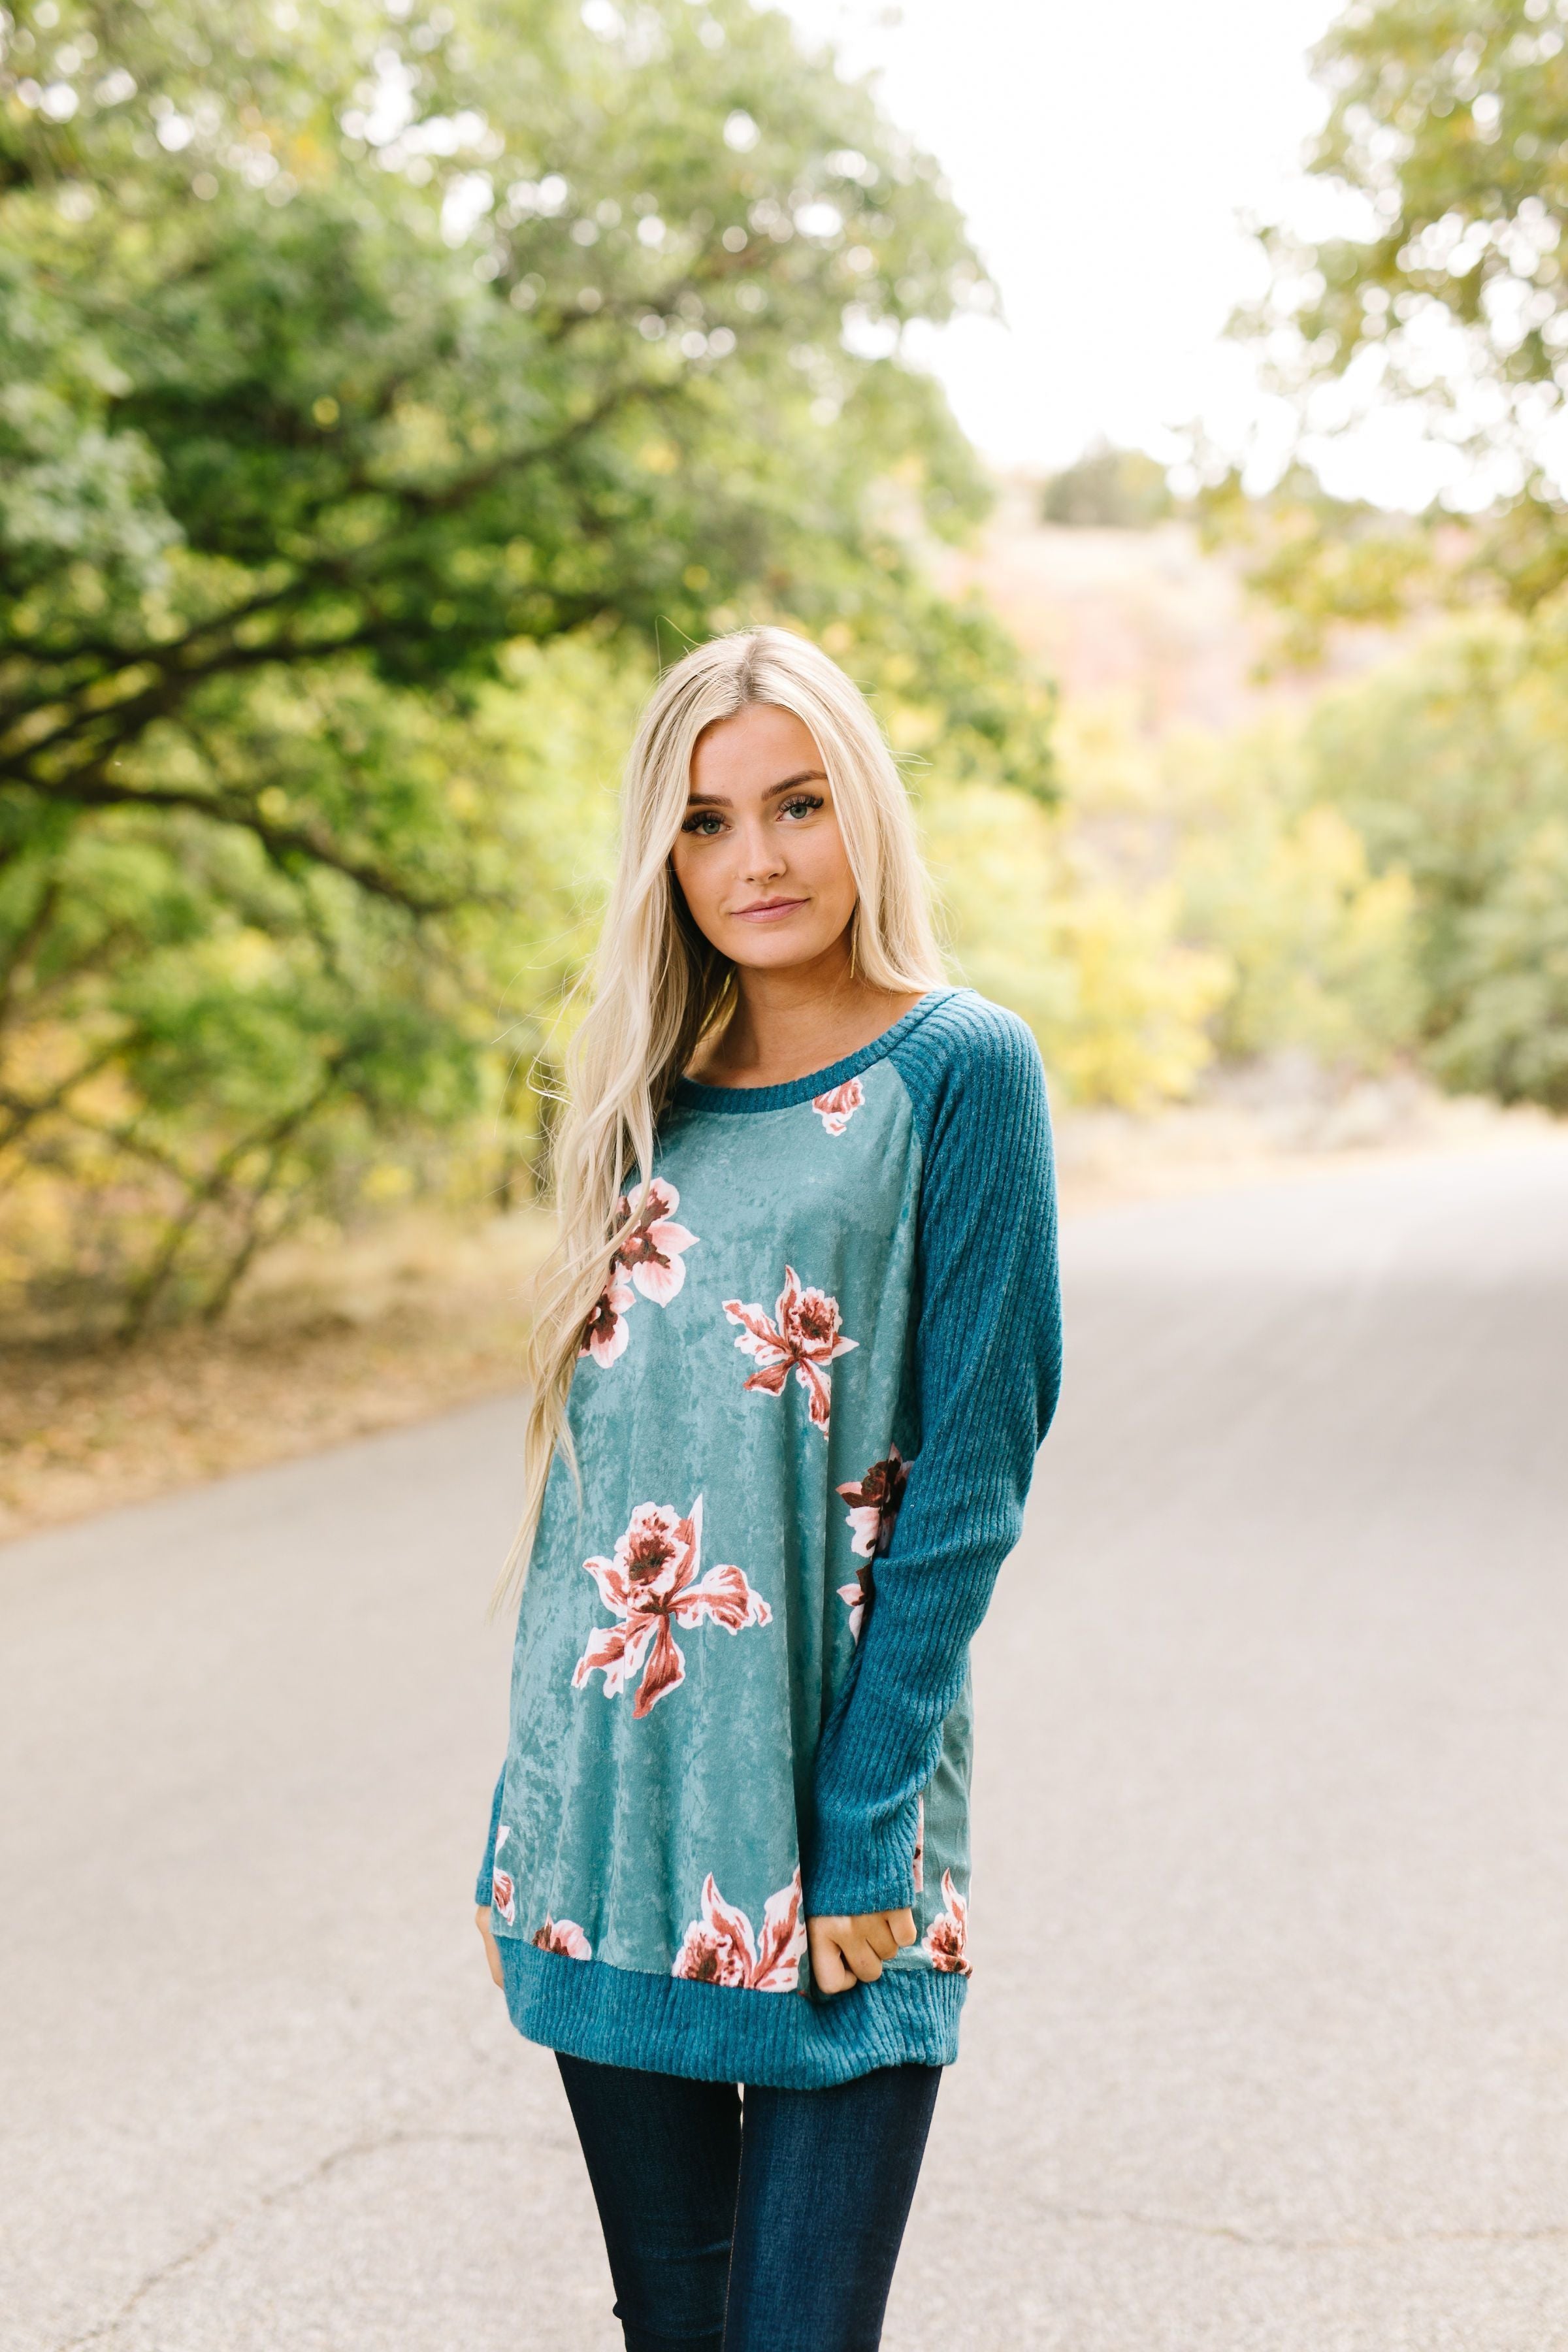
x=988, y=1365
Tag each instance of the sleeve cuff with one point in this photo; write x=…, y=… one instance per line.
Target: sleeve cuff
x=856, y=1868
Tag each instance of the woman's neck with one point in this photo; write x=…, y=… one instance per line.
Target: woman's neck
x=785, y=1025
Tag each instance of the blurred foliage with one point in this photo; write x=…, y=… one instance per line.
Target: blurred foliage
x=1378, y=875
x=384, y=388
x=1195, y=900
x=1320, y=560
x=202, y=1047
x=1445, y=296
x=1277, y=880
x=1093, y=963
x=1452, y=765
x=1445, y=136
x=1108, y=490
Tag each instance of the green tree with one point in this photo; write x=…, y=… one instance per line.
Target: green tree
x=1108, y=489
x=351, y=351
x=1445, y=138
x=1446, y=295
x=1274, y=875
x=1452, y=766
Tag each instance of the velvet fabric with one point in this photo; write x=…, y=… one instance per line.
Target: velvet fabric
x=805, y=1418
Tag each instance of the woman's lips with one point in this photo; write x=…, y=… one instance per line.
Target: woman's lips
x=767, y=910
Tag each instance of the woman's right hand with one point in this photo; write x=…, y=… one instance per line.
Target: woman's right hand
x=482, y=1921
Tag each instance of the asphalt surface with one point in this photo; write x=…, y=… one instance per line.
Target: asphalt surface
x=1268, y=2042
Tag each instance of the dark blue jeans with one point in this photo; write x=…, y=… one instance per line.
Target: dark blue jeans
x=777, y=2233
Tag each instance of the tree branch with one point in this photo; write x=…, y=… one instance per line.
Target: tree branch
x=144, y=1294
x=281, y=842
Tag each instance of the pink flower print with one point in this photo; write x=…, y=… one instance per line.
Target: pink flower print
x=856, y=1594
x=920, y=1860
x=651, y=1253
x=650, y=1586
x=565, y=1937
x=949, y=1933
x=605, y=1334
x=503, y=1893
x=875, y=1504
x=805, y=1339
x=874, y=1510
x=838, y=1106
x=720, y=1948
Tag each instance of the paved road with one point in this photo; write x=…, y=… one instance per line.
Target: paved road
x=1267, y=2046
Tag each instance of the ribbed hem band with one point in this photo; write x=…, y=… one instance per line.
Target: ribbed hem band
x=718, y=2033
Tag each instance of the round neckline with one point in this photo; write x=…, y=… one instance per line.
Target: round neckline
x=699, y=1096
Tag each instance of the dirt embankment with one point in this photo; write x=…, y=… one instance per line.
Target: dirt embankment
x=331, y=1344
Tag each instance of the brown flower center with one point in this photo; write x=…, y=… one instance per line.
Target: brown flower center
x=647, y=1554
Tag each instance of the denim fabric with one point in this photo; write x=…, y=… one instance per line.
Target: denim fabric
x=773, y=2228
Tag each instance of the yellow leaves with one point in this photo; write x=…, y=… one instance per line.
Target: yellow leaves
x=310, y=157
x=1111, y=766
x=103, y=693
x=40, y=1215
x=1136, y=1032
x=1117, y=1001
x=386, y=1183
x=1187, y=900
x=421, y=438
x=910, y=730
x=246, y=959
x=1322, y=948
x=471, y=566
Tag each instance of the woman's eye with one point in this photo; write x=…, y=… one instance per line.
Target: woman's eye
x=704, y=822
x=803, y=804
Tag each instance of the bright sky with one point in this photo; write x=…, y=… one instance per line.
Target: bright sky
x=1102, y=154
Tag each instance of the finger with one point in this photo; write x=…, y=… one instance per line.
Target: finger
x=863, y=1960
x=829, y=1970
x=880, y=1935
x=902, y=1924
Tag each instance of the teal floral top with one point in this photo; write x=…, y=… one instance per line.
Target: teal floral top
x=806, y=1416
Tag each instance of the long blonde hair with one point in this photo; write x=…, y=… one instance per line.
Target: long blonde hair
x=659, y=987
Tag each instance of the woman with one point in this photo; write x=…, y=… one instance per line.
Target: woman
x=797, y=1349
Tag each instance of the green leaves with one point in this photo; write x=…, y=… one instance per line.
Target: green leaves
x=350, y=353
x=1451, y=766
x=1447, y=292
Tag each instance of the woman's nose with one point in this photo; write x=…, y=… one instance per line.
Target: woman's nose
x=759, y=853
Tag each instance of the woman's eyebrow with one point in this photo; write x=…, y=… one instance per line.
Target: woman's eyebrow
x=722, y=800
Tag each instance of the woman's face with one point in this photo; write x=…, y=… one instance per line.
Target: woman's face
x=759, y=853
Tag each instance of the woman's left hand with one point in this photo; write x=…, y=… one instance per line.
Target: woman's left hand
x=846, y=1952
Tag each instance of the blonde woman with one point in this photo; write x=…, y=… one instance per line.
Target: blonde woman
x=796, y=1351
